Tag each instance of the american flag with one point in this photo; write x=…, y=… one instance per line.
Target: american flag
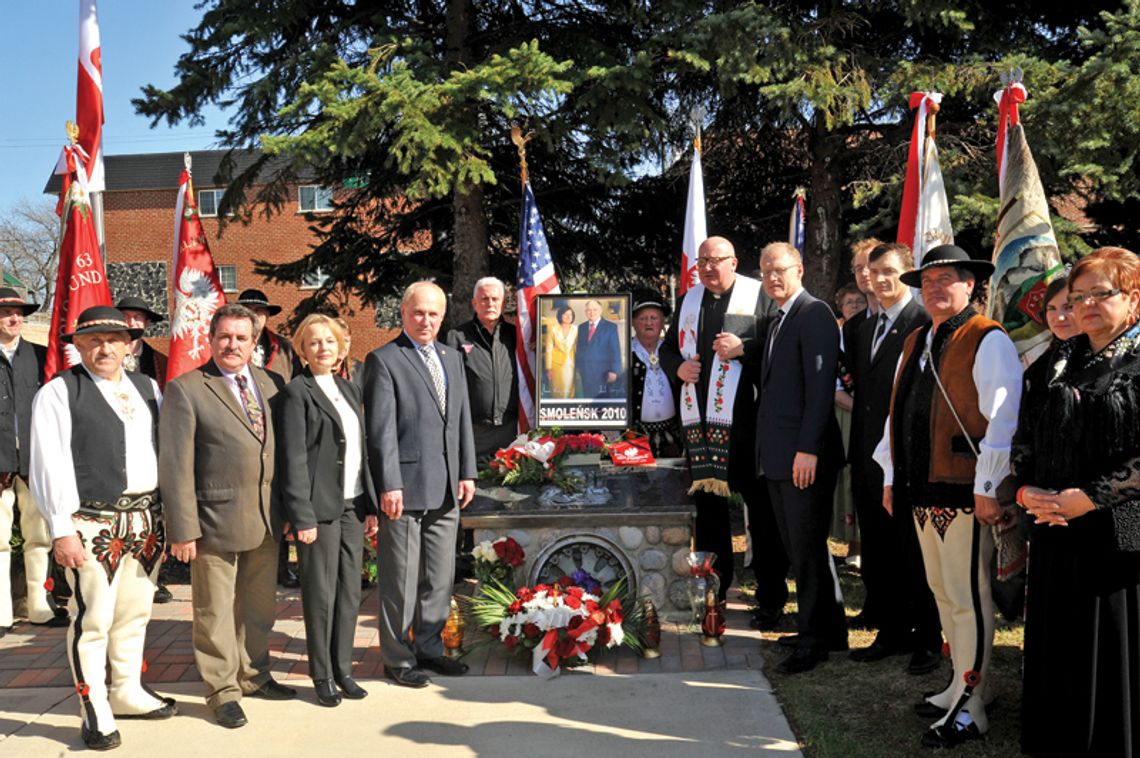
x=536, y=277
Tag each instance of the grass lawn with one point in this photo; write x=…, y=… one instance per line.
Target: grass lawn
x=843, y=708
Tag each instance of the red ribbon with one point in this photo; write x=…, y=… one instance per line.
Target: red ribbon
x=1011, y=97
x=909, y=215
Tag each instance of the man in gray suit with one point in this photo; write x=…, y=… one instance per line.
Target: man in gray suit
x=215, y=472
x=421, y=452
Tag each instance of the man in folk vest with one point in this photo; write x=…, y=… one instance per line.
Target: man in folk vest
x=945, y=448
x=21, y=374
x=94, y=473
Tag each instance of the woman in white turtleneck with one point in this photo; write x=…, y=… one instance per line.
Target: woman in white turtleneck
x=328, y=501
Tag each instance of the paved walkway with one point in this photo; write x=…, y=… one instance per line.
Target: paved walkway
x=692, y=700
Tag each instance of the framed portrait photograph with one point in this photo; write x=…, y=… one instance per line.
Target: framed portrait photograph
x=583, y=361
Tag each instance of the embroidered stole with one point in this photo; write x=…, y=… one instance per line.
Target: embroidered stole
x=707, y=441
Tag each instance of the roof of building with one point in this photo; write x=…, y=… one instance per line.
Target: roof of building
x=142, y=171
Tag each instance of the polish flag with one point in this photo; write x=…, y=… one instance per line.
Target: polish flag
x=89, y=95
x=197, y=287
x=695, y=232
x=925, y=219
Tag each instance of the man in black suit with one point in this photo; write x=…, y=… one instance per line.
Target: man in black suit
x=21, y=374
x=720, y=324
x=892, y=569
x=800, y=447
x=861, y=270
x=421, y=452
x=597, y=354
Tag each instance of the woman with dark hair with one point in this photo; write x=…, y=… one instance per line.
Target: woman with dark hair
x=328, y=501
x=561, y=340
x=1077, y=456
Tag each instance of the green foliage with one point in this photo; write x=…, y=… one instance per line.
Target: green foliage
x=797, y=94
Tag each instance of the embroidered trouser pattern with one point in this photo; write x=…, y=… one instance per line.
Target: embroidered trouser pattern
x=36, y=549
x=110, y=607
x=957, y=550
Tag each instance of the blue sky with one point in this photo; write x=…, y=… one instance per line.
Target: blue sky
x=40, y=42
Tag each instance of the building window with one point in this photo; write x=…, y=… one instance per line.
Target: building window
x=314, y=279
x=208, y=201
x=315, y=199
x=228, y=277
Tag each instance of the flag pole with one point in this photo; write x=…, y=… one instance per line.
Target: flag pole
x=520, y=141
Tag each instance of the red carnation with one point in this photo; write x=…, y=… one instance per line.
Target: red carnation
x=565, y=581
x=570, y=601
x=493, y=630
x=525, y=594
x=541, y=588
x=574, y=623
x=565, y=647
x=576, y=591
x=514, y=607
x=603, y=635
x=530, y=631
x=510, y=643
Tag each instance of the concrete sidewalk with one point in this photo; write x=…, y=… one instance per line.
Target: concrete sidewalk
x=685, y=714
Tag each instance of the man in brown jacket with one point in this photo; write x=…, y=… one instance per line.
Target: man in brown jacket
x=215, y=473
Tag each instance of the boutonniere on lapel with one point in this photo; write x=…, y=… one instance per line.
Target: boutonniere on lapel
x=467, y=347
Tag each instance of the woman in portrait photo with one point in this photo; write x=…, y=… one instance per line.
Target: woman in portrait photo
x=561, y=339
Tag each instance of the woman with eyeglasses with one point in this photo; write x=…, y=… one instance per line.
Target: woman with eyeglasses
x=1077, y=456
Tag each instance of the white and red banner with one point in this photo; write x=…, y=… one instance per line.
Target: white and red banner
x=81, y=281
x=797, y=222
x=197, y=287
x=695, y=227
x=89, y=95
x=924, y=222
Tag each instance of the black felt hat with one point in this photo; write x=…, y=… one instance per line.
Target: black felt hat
x=947, y=255
x=102, y=318
x=10, y=298
x=131, y=303
x=257, y=299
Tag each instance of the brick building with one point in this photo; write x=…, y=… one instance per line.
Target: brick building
x=138, y=220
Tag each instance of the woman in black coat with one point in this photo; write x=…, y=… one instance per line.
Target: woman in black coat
x=328, y=501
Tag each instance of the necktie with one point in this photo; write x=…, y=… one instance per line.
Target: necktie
x=252, y=407
x=880, y=332
x=775, y=330
x=590, y=336
x=427, y=351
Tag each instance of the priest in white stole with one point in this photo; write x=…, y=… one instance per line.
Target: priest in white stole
x=719, y=324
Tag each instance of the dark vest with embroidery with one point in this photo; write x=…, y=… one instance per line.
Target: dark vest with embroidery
x=98, y=437
x=933, y=463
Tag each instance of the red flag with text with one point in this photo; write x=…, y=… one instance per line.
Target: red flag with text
x=82, y=280
x=197, y=287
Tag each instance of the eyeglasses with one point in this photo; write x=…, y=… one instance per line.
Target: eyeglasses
x=1080, y=298
x=778, y=272
x=710, y=262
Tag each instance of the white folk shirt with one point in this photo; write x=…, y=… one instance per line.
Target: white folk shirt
x=997, y=375
x=657, y=397
x=52, y=469
x=350, y=425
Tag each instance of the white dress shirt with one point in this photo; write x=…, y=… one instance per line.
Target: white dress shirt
x=231, y=382
x=52, y=468
x=997, y=375
x=434, y=356
x=350, y=424
x=657, y=396
x=892, y=315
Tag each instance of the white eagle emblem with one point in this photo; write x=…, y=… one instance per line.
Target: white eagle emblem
x=197, y=298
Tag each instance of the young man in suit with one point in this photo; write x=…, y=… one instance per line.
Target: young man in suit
x=21, y=374
x=800, y=447
x=597, y=354
x=892, y=571
x=215, y=471
x=421, y=452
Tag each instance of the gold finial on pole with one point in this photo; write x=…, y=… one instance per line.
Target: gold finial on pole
x=520, y=141
x=932, y=109
x=697, y=119
x=72, y=132
x=800, y=192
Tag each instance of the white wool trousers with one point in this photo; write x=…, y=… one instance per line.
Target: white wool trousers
x=37, y=553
